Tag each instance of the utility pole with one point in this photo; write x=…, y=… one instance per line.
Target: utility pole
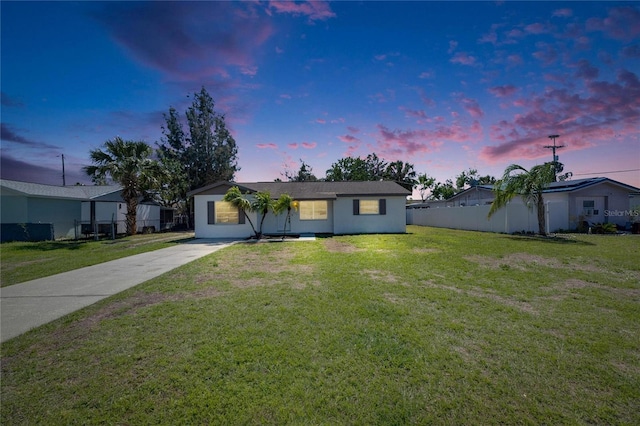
x=553, y=150
x=554, y=147
x=64, y=183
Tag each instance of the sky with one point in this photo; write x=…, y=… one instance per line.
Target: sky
x=445, y=86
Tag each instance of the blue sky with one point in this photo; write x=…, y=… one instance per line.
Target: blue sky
x=446, y=86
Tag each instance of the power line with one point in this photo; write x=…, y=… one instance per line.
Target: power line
x=602, y=173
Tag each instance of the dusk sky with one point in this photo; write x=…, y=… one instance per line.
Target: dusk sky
x=446, y=86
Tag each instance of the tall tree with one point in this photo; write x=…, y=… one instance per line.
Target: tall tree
x=304, y=174
x=401, y=173
x=529, y=184
x=211, y=154
x=208, y=153
x=425, y=183
x=443, y=191
x=376, y=167
x=129, y=164
x=348, y=169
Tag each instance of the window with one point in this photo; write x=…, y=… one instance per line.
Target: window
x=364, y=207
x=587, y=207
x=226, y=213
x=369, y=207
x=313, y=210
x=221, y=212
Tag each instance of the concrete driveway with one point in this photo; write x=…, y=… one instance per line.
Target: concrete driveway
x=33, y=303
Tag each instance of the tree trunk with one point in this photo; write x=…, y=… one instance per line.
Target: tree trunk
x=542, y=226
x=132, y=207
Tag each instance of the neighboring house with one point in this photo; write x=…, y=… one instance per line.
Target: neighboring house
x=67, y=207
x=324, y=207
x=568, y=205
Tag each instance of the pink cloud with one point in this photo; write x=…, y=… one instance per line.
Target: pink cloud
x=348, y=139
x=591, y=117
x=563, y=13
x=463, y=59
x=353, y=129
x=503, y=91
x=586, y=70
x=537, y=28
x=293, y=145
x=321, y=121
x=472, y=107
x=266, y=146
x=546, y=53
x=514, y=60
x=623, y=23
x=410, y=142
x=314, y=10
x=420, y=115
x=309, y=145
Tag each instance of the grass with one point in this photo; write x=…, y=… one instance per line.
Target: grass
x=433, y=327
x=24, y=261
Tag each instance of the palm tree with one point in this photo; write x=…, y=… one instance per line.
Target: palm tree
x=402, y=173
x=285, y=202
x=241, y=202
x=129, y=164
x=529, y=184
x=262, y=204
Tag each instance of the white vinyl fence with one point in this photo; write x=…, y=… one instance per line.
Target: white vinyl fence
x=514, y=217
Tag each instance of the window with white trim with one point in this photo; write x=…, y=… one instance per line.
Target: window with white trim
x=314, y=210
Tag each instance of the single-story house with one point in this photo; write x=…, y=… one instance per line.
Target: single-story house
x=323, y=207
x=568, y=205
x=68, y=208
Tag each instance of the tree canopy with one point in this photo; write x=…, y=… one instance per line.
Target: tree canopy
x=529, y=184
x=204, y=155
x=129, y=164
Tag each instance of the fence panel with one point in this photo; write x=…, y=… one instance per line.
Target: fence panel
x=514, y=217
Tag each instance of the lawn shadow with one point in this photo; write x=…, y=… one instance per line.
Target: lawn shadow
x=52, y=245
x=550, y=240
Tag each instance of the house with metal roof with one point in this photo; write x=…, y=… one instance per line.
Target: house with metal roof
x=68, y=209
x=569, y=205
x=323, y=207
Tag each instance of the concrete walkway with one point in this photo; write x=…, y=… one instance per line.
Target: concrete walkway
x=33, y=303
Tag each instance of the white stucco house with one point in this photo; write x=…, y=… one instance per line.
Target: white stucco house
x=324, y=207
x=568, y=205
x=67, y=208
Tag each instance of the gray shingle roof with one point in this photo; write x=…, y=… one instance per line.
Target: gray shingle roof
x=318, y=190
x=53, y=191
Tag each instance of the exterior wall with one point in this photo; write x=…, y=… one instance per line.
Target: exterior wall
x=515, y=217
x=609, y=200
x=147, y=215
x=13, y=209
x=471, y=197
x=61, y=213
x=204, y=230
x=274, y=224
x=394, y=221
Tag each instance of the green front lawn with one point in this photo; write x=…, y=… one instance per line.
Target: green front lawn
x=433, y=327
x=24, y=261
